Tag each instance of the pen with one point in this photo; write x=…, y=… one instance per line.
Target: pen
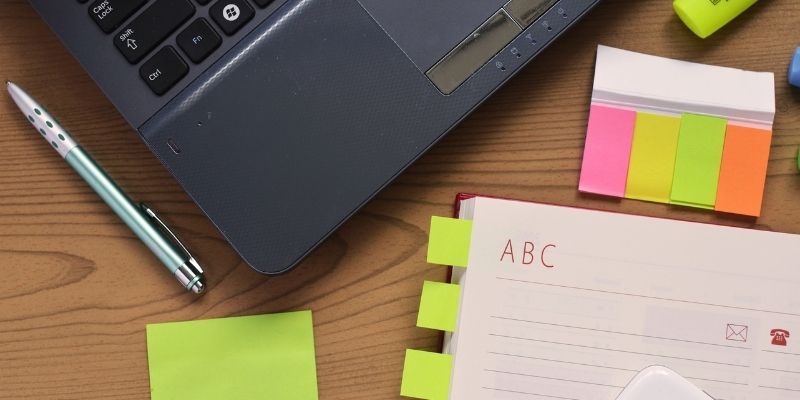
x=141, y=219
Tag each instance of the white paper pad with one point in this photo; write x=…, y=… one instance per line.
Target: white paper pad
x=630, y=79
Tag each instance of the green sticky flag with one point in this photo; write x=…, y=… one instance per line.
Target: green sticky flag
x=426, y=375
x=240, y=358
x=448, y=243
x=697, y=162
x=652, y=163
x=438, y=306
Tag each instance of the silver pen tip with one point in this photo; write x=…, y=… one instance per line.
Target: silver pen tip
x=199, y=287
x=13, y=88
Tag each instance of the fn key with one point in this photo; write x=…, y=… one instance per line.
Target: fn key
x=163, y=70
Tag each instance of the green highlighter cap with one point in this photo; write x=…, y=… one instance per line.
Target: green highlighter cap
x=798, y=160
x=705, y=17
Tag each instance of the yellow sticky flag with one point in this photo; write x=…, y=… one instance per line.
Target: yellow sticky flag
x=448, y=243
x=438, y=307
x=426, y=375
x=652, y=164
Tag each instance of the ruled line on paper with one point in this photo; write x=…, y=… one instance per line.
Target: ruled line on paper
x=563, y=362
x=781, y=370
x=781, y=352
x=621, y=351
x=553, y=378
x=648, y=297
x=779, y=388
x=616, y=368
x=529, y=393
x=620, y=333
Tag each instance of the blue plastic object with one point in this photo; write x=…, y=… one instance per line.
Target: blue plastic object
x=794, y=69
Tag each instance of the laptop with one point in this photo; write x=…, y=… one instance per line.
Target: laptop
x=281, y=118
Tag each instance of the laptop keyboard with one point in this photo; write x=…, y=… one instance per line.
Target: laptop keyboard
x=140, y=38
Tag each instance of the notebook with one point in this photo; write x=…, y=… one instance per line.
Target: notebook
x=552, y=302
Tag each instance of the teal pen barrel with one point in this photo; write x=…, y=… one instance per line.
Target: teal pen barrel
x=129, y=212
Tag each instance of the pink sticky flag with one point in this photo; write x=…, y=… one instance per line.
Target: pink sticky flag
x=607, y=151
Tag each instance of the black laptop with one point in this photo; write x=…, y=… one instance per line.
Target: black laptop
x=281, y=118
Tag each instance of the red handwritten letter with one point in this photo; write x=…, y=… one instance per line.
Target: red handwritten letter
x=527, y=253
x=509, y=250
x=543, y=251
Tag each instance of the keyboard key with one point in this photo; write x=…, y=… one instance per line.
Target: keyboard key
x=263, y=3
x=198, y=40
x=151, y=27
x=109, y=14
x=231, y=15
x=163, y=70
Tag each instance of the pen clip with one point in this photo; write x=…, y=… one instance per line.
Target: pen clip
x=164, y=228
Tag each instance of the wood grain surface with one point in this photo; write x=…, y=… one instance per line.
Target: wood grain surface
x=77, y=287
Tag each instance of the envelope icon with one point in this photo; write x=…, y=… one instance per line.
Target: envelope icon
x=736, y=333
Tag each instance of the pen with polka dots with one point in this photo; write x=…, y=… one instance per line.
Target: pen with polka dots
x=142, y=220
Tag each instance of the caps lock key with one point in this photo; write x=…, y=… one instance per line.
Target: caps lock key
x=109, y=14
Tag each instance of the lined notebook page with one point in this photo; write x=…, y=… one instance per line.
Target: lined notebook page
x=564, y=303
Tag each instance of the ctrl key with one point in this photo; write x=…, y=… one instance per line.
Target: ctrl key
x=163, y=70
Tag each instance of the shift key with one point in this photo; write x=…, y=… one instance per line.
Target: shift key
x=151, y=27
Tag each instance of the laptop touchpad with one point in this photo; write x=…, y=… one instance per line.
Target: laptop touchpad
x=426, y=30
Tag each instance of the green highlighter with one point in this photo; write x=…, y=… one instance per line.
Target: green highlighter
x=798, y=160
x=705, y=17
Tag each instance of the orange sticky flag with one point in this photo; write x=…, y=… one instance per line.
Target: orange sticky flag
x=743, y=171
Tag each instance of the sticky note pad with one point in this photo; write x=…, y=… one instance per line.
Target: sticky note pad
x=256, y=357
x=607, y=151
x=697, y=161
x=448, y=242
x=655, y=142
x=438, y=306
x=744, y=170
x=426, y=375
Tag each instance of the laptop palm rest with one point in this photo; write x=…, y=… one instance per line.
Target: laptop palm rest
x=427, y=30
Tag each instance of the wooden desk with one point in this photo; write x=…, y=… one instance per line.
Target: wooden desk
x=77, y=287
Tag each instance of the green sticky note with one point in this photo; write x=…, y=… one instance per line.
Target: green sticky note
x=240, y=358
x=438, y=306
x=697, y=162
x=426, y=375
x=448, y=243
x=652, y=163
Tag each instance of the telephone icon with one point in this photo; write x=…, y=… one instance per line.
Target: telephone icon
x=779, y=337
